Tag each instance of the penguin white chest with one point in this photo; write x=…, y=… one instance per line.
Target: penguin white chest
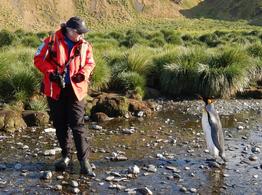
x=207, y=131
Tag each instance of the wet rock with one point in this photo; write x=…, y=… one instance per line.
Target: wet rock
x=240, y=127
x=176, y=176
x=255, y=150
x=116, y=174
x=118, y=156
x=111, y=104
x=75, y=190
x=144, y=191
x=3, y=183
x=252, y=158
x=160, y=156
x=101, y=117
x=58, y=187
x=140, y=114
x=52, y=152
x=130, y=190
x=50, y=130
x=134, y=170
x=174, y=169
x=193, y=190
x=74, y=184
x=60, y=177
x=187, y=168
x=139, y=108
x=183, y=189
x=151, y=168
x=35, y=118
x=129, y=130
x=46, y=175
x=116, y=186
x=109, y=178
x=96, y=127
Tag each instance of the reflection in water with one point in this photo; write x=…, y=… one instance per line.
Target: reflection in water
x=216, y=179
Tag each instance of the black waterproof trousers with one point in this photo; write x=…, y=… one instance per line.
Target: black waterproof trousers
x=67, y=114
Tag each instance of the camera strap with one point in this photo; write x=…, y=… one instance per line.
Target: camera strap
x=52, y=54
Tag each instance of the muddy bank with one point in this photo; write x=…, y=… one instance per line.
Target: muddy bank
x=168, y=149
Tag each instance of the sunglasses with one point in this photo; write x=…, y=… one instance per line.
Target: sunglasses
x=74, y=31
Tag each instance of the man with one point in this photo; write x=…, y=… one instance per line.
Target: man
x=66, y=61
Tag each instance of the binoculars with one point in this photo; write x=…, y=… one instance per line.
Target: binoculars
x=57, y=78
x=60, y=78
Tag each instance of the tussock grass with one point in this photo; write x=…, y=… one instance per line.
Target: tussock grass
x=20, y=79
x=101, y=76
x=218, y=74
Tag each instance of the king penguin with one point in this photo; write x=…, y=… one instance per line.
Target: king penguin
x=212, y=127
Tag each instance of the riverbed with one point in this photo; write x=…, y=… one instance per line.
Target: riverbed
x=168, y=149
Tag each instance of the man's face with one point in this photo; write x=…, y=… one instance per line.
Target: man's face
x=73, y=35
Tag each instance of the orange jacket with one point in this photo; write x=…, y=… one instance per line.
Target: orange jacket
x=83, y=63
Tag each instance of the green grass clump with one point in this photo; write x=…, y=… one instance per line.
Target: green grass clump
x=101, y=75
x=130, y=81
x=6, y=38
x=20, y=78
x=38, y=103
x=221, y=73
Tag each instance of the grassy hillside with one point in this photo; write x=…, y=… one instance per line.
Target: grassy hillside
x=228, y=10
x=45, y=15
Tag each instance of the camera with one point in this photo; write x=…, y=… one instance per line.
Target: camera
x=57, y=78
x=78, y=77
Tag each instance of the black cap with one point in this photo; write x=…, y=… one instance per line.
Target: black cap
x=78, y=24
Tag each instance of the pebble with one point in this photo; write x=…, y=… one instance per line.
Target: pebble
x=97, y=127
x=116, y=186
x=75, y=190
x=49, y=130
x=51, y=152
x=151, y=168
x=134, y=170
x=109, y=178
x=140, y=114
x=128, y=131
x=240, y=127
x=144, y=191
x=60, y=177
x=176, y=176
x=174, y=169
x=46, y=175
x=58, y=187
x=255, y=149
x=193, y=190
x=252, y=158
x=183, y=189
x=74, y=183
